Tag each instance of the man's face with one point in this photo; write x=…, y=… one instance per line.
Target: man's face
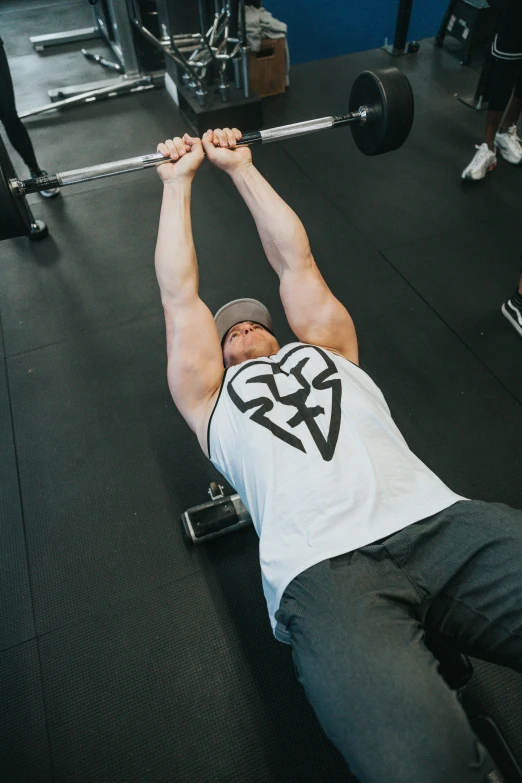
x=248, y=340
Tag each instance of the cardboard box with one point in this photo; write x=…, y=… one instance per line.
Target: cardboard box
x=268, y=67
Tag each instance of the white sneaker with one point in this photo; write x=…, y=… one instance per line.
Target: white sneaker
x=513, y=314
x=483, y=161
x=508, y=144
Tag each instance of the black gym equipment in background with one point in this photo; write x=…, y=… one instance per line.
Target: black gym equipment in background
x=400, y=44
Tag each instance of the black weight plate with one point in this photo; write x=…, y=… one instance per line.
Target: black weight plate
x=387, y=94
x=15, y=217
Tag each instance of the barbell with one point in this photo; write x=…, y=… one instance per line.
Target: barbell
x=380, y=115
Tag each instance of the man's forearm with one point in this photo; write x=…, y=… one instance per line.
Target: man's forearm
x=283, y=235
x=175, y=257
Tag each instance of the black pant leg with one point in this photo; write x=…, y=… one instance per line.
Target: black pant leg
x=14, y=127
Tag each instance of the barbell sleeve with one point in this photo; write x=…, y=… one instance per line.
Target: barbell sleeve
x=24, y=187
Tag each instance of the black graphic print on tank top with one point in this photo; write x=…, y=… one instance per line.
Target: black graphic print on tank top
x=283, y=413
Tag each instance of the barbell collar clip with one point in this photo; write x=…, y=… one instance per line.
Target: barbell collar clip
x=359, y=116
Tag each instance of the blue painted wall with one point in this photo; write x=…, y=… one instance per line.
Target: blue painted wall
x=318, y=29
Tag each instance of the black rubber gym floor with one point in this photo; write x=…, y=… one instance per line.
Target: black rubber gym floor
x=127, y=655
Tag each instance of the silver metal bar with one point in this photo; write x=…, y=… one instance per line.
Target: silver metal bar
x=173, y=52
x=218, y=26
x=237, y=74
x=296, y=129
x=245, y=47
x=110, y=169
x=96, y=58
x=121, y=41
x=310, y=126
x=163, y=10
x=40, y=42
x=61, y=93
x=245, y=70
x=202, y=17
x=74, y=176
x=129, y=85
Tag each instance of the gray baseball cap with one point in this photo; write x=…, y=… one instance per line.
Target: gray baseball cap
x=242, y=310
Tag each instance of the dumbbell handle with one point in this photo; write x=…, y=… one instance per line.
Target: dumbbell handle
x=23, y=188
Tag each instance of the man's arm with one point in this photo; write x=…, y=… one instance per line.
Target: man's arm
x=195, y=361
x=315, y=315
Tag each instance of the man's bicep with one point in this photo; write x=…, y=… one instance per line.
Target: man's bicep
x=195, y=359
x=315, y=315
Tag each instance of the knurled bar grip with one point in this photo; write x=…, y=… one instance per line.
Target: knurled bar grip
x=90, y=172
x=22, y=188
x=309, y=126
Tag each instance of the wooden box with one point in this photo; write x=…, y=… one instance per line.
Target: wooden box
x=268, y=67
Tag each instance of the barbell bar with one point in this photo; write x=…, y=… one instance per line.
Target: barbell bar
x=73, y=177
x=381, y=110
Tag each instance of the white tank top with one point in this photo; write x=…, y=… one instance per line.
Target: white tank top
x=307, y=440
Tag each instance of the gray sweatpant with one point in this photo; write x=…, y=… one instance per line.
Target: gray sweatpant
x=357, y=625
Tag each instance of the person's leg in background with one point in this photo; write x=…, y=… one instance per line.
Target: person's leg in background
x=14, y=127
x=501, y=125
x=360, y=655
x=512, y=308
x=504, y=97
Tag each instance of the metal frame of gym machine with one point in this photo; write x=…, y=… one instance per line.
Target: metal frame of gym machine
x=176, y=47
x=196, y=53
x=111, y=23
x=400, y=44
